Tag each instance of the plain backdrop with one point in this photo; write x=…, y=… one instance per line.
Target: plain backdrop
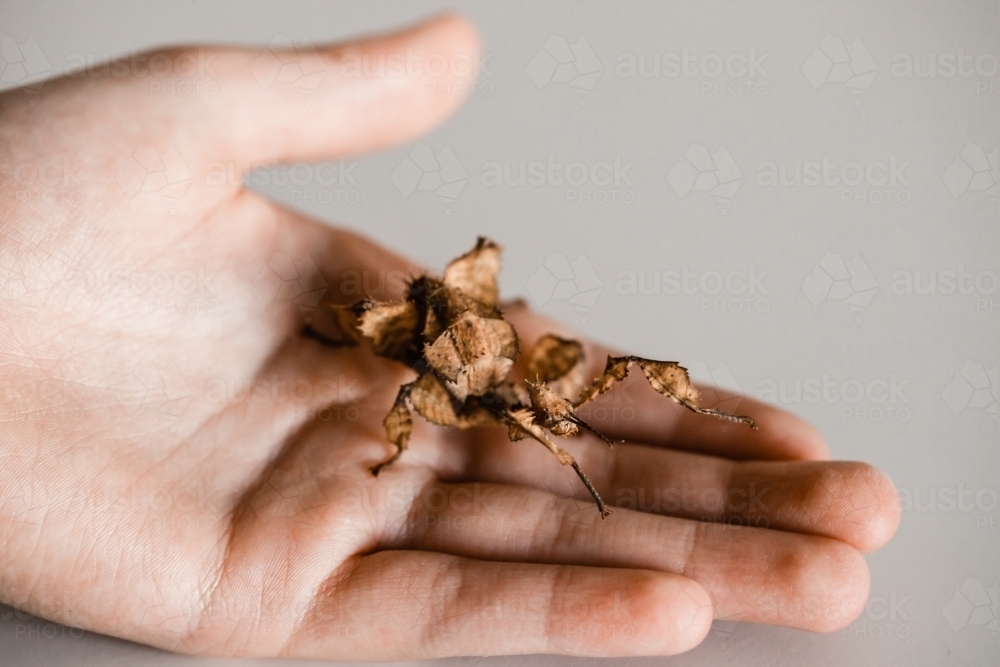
x=797, y=200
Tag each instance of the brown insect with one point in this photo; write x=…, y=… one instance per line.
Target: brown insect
x=451, y=331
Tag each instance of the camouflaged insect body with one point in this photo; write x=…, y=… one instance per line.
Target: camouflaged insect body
x=452, y=332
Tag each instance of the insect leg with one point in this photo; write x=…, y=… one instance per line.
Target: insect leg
x=398, y=424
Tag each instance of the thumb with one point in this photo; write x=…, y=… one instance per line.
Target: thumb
x=287, y=105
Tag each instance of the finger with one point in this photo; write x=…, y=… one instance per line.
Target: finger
x=361, y=96
x=751, y=574
x=398, y=605
x=849, y=501
x=632, y=410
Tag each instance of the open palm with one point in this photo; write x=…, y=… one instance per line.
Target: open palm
x=181, y=466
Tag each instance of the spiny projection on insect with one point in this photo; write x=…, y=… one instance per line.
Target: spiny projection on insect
x=451, y=331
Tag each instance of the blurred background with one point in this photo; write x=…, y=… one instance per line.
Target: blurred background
x=798, y=201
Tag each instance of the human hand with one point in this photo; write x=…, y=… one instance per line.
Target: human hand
x=199, y=481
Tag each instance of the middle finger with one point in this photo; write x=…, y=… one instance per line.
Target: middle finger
x=849, y=501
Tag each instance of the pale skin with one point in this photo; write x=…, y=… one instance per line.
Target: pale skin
x=251, y=526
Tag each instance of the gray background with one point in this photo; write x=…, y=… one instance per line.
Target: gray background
x=852, y=322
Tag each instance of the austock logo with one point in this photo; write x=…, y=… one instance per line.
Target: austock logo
x=150, y=170
x=560, y=62
x=733, y=291
x=836, y=62
x=287, y=279
x=974, y=170
x=973, y=388
x=591, y=182
x=710, y=380
x=701, y=171
x=735, y=74
x=884, y=616
x=21, y=60
x=973, y=604
x=153, y=387
x=34, y=626
x=875, y=399
x=723, y=632
x=55, y=179
x=286, y=62
x=424, y=170
x=559, y=279
x=947, y=66
x=286, y=496
x=833, y=279
x=877, y=182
